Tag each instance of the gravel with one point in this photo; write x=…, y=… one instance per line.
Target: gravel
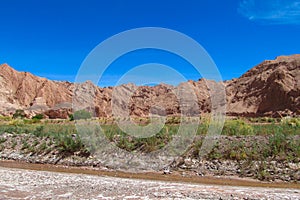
x=29, y=184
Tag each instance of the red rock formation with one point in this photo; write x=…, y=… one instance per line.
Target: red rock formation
x=271, y=88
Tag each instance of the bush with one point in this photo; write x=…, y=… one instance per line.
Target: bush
x=237, y=127
x=19, y=114
x=278, y=143
x=16, y=122
x=81, y=114
x=67, y=145
x=71, y=117
x=31, y=121
x=294, y=122
x=38, y=117
x=5, y=118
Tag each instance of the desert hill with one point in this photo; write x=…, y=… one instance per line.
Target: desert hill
x=271, y=88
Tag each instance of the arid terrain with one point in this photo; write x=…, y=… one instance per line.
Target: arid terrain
x=271, y=88
x=28, y=184
x=159, y=99
x=259, y=142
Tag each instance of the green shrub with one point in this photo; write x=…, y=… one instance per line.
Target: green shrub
x=2, y=140
x=32, y=121
x=278, y=143
x=42, y=147
x=294, y=122
x=5, y=118
x=82, y=114
x=38, y=117
x=68, y=145
x=38, y=131
x=237, y=127
x=173, y=120
x=196, y=147
x=19, y=114
x=71, y=117
x=16, y=122
x=25, y=145
x=14, y=144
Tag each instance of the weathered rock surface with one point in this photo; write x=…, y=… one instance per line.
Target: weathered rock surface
x=271, y=88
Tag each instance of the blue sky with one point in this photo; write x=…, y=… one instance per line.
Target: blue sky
x=51, y=38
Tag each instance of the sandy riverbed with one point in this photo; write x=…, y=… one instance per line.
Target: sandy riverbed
x=30, y=184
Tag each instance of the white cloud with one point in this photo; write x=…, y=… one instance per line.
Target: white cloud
x=271, y=11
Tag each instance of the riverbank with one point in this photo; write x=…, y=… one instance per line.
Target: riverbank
x=29, y=148
x=265, y=152
x=173, y=177
x=22, y=184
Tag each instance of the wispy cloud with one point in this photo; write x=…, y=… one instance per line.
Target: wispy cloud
x=271, y=11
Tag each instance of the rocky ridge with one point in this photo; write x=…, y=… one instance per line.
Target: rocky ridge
x=272, y=88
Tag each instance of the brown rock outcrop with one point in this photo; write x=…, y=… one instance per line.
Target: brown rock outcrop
x=58, y=113
x=271, y=88
x=22, y=89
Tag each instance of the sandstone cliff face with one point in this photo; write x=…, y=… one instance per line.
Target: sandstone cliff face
x=271, y=88
x=161, y=99
x=24, y=90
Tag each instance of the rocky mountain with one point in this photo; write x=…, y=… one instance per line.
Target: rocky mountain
x=22, y=90
x=271, y=88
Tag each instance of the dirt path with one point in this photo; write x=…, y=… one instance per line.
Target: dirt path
x=30, y=184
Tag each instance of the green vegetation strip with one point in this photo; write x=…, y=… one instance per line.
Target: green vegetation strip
x=279, y=138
